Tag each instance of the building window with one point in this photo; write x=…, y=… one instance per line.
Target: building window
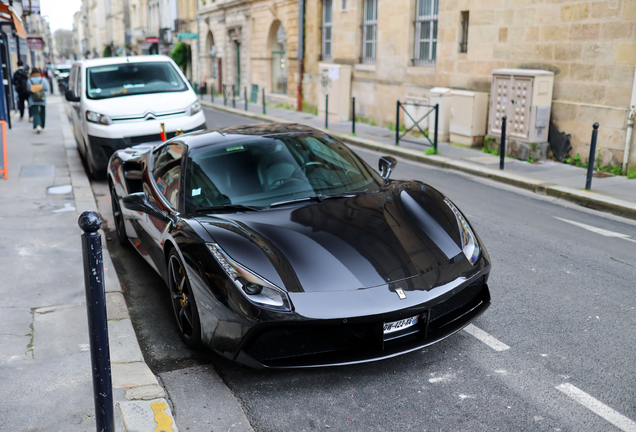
x=343, y=6
x=327, y=22
x=426, y=33
x=369, y=30
x=463, y=39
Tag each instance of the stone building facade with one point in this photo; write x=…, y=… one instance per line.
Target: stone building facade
x=395, y=53
x=251, y=45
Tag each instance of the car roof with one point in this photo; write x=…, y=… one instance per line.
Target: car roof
x=119, y=60
x=243, y=132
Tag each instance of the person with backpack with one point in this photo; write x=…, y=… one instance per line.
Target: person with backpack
x=38, y=86
x=20, y=78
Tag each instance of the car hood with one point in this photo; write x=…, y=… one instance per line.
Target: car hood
x=403, y=232
x=123, y=107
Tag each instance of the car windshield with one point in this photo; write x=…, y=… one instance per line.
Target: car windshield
x=63, y=70
x=261, y=171
x=132, y=78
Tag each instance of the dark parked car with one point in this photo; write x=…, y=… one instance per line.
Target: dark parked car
x=282, y=248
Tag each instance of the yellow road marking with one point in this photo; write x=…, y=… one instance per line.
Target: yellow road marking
x=162, y=418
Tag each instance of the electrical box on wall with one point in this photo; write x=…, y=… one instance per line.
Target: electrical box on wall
x=335, y=81
x=441, y=96
x=524, y=96
x=468, y=117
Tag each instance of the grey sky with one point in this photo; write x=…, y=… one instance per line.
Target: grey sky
x=60, y=12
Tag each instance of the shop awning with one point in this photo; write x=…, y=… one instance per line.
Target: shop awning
x=7, y=14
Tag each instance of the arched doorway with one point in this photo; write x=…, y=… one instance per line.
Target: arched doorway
x=280, y=65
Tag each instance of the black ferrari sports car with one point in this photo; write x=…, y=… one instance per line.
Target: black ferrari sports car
x=282, y=248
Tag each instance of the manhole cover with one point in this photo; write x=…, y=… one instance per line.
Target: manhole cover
x=37, y=171
x=38, y=144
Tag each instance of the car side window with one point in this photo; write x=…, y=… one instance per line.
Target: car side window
x=72, y=79
x=166, y=171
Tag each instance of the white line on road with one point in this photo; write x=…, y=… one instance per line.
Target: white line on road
x=486, y=338
x=600, y=231
x=598, y=407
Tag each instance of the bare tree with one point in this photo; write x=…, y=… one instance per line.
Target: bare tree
x=64, y=42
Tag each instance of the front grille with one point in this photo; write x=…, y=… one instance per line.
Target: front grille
x=278, y=344
x=147, y=138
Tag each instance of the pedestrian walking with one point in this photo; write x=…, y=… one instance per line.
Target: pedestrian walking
x=38, y=86
x=20, y=78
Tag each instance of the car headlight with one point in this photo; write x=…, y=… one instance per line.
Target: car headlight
x=256, y=289
x=193, y=109
x=470, y=247
x=98, y=118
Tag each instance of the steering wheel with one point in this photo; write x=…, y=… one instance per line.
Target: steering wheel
x=306, y=164
x=279, y=182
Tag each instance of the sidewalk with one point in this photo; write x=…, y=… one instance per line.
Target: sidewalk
x=45, y=366
x=613, y=194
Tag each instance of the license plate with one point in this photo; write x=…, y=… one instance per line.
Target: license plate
x=394, y=326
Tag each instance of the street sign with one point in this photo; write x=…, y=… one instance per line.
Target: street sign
x=152, y=40
x=187, y=35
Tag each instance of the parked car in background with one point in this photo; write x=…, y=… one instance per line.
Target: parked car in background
x=120, y=102
x=282, y=248
x=61, y=73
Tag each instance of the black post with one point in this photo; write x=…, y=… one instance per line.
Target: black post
x=224, y=95
x=263, y=97
x=212, y=93
x=436, y=124
x=233, y=97
x=326, y=111
x=353, y=116
x=397, y=125
x=590, y=161
x=245, y=96
x=90, y=223
x=502, y=146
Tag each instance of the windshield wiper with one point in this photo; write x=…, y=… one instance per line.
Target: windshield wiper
x=319, y=197
x=228, y=207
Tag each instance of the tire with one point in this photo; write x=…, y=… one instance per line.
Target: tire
x=118, y=217
x=183, y=303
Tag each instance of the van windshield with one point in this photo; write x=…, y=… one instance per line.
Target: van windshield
x=131, y=79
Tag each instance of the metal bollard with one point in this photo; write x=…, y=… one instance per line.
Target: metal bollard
x=436, y=124
x=224, y=95
x=233, y=97
x=245, y=96
x=263, y=97
x=353, y=116
x=590, y=161
x=90, y=223
x=326, y=111
x=397, y=125
x=502, y=146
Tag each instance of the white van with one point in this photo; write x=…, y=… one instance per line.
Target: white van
x=119, y=102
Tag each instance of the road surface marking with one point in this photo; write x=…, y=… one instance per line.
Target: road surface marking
x=162, y=418
x=600, y=231
x=598, y=407
x=486, y=338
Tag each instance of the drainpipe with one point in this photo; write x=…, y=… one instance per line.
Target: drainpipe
x=630, y=126
x=301, y=53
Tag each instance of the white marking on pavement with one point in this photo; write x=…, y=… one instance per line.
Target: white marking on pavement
x=485, y=338
x=596, y=230
x=598, y=407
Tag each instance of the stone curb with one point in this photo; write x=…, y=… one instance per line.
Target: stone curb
x=581, y=197
x=145, y=407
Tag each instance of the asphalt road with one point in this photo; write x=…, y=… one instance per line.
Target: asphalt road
x=553, y=353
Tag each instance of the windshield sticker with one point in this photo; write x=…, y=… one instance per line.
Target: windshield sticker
x=196, y=192
x=235, y=148
x=162, y=186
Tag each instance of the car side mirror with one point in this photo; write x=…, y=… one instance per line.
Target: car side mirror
x=386, y=166
x=139, y=201
x=71, y=97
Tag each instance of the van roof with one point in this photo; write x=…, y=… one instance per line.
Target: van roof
x=119, y=60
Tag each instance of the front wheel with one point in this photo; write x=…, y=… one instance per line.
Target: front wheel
x=183, y=303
